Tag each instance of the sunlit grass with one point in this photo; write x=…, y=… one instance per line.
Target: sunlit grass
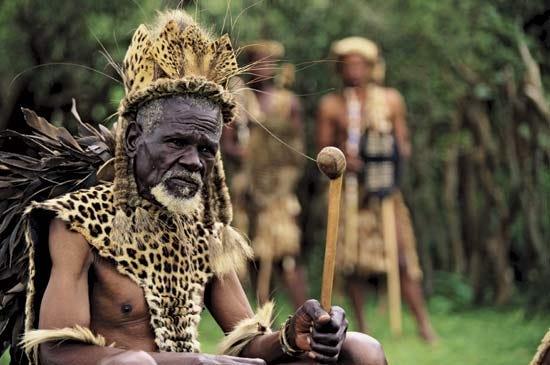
x=474, y=337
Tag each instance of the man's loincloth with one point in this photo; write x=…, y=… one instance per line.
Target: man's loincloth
x=367, y=255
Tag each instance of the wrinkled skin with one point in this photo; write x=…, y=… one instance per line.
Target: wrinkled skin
x=186, y=140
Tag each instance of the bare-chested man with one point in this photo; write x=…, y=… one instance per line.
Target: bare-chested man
x=364, y=111
x=119, y=273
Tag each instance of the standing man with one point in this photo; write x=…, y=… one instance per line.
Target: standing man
x=273, y=172
x=236, y=152
x=368, y=122
x=119, y=273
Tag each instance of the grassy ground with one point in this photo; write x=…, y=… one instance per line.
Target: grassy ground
x=473, y=337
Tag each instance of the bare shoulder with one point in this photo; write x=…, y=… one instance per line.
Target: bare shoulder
x=331, y=107
x=330, y=101
x=394, y=98
x=68, y=250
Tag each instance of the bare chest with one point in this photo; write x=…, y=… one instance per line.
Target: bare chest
x=118, y=308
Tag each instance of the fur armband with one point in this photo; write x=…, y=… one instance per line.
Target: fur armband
x=34, y=338
x=246, y=330
x=231, y=252
x=544, y=347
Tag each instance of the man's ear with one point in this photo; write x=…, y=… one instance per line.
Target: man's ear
x=132, y=138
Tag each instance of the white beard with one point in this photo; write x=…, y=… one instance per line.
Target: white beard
x=177, y=205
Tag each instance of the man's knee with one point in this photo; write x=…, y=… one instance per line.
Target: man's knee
x=360, y=348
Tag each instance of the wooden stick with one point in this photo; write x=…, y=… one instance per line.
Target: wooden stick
x=392, y=260
x=331, y=162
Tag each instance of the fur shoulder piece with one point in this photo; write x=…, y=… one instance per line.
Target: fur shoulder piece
x=89, y=212
x=229, y=250
x=171, y=257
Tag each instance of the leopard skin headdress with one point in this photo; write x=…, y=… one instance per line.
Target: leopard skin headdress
x=175, y=56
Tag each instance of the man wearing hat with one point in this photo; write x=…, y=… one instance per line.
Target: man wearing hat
x=120, y=272
x=368, y=122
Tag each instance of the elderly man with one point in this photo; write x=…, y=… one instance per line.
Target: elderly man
x=368, y=122
x=119, y=273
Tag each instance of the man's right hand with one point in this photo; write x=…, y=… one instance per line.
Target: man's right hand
x=144, y=358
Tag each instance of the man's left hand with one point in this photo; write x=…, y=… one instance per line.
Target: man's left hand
x=317, y=332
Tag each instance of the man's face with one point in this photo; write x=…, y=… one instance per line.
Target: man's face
x=355, y=70
x=173, y=145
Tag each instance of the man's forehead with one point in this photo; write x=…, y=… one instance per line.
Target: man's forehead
x=355, y=57
x=181, y=112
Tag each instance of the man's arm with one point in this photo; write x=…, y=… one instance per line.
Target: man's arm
x=325, y=127
x=228, y=304
x=319, y=334
x=66, y=304
x=296, y=116
x=398, y=117
x=298, y=134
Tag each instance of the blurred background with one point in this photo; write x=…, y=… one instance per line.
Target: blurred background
x=473, y=74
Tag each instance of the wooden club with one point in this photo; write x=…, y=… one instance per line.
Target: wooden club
x=332, y=163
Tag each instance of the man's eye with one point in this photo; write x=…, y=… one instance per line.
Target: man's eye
x=206, y=150
x=176, y=142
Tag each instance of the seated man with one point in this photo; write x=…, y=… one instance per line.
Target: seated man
x=119, y=273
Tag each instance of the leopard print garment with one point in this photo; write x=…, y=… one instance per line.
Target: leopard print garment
x=172, y=270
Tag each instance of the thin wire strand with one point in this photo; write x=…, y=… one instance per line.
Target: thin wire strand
x=61, y=64
x=277, y=138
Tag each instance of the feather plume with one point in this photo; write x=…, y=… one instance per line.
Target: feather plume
x=45, y=164
x=246, y=330
x=33, y=339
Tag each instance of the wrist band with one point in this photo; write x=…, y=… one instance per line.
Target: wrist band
x=285, y=346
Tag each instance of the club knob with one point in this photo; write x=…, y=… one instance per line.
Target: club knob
x=331, y=162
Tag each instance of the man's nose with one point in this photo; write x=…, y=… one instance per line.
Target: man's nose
x=190, y=159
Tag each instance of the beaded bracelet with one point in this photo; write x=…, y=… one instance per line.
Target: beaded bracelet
x=285, y=346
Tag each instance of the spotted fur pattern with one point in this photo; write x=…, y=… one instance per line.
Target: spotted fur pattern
x=167, y=51
x=179, y=53
x=172, y=270
x=138, y=65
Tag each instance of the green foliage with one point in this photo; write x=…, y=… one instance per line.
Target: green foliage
x=5, y=358
x=452, y=293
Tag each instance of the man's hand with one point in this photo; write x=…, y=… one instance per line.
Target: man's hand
x=317, y=332
x=144, y=358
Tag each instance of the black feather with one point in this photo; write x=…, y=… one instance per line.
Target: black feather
x=42, y=165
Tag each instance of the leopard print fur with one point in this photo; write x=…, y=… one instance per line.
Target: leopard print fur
x=172, y=269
